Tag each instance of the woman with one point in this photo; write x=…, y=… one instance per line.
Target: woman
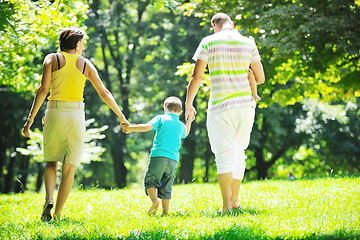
x=64, y=122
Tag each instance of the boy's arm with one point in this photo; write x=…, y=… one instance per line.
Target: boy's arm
x=138, y=128
x=188, y=127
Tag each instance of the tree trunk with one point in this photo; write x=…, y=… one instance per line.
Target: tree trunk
x=2, y=163
x=261, y=165
x=23, y=174
x=40, y=174
x=117, y=152
x=208, y=154
x=187, y=159
x=8, y=183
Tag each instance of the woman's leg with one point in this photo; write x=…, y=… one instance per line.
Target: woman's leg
x=50, y=179
x=68, y=171
x=50, y=182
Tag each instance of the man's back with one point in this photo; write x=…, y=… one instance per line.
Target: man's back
x=229, y=55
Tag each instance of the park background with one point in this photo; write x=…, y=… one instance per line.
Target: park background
x=307, y=122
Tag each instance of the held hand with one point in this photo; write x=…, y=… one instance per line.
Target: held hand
x=124, y=127
x=124, y=122
x=191, y=117
x=190, y=112
x=26, y=128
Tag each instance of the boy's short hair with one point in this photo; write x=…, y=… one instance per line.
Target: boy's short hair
x=173, y=104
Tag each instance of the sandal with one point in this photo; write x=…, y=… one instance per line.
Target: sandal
x=46, y=214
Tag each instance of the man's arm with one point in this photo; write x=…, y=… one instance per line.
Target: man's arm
x=258, y=71
x=138, y=128
x=193, y=87
x=191, y=118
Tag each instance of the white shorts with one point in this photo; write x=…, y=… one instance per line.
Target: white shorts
x=64, y=132
x=229, y=134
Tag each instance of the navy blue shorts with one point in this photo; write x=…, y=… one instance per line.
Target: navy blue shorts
x=160, y=175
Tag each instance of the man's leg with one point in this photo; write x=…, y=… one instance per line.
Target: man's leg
x=67, y=179
x=221, y=136
x=225, y=182
x=235, y=189
x=245, y=119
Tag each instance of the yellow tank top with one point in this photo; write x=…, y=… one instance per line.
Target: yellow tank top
x=67, y=83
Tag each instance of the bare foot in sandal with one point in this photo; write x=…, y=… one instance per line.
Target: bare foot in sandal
x=46, y=214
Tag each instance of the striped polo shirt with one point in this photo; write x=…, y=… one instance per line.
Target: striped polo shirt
x=229, y=55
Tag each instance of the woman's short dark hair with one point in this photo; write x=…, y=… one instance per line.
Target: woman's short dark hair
x=70, y=37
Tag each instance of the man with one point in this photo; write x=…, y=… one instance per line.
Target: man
x=231, y=107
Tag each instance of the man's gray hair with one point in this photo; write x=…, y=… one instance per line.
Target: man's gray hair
x=220, y=19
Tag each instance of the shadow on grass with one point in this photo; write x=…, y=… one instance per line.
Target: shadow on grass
x=235, y=232
x=217, y=213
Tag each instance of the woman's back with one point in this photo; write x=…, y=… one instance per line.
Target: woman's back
x=68, y=81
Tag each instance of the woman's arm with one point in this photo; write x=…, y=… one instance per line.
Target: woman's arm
x=104, y=93
x=41, y=93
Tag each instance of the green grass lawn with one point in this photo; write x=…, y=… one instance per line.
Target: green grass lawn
x=302, y=209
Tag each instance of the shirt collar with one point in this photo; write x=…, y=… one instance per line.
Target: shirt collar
x=173, y=115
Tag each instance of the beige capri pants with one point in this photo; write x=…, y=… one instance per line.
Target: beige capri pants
x=64, y=132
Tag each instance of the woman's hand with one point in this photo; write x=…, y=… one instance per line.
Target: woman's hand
x=26, y=128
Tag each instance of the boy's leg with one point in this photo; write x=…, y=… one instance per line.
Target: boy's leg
x=152, y=180
x=165, y=203
x=152, y=193
x=165, y=189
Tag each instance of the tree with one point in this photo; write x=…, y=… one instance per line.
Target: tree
x=309, y=49
x=28, y=31
x=136, y=48
x=31, y=30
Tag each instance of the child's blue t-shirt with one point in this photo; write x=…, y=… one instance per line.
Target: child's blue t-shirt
x=169, y=132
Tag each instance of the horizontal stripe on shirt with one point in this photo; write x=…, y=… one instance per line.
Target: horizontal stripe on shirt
x=227, y=65
x=228, y=42
x=226, y=50
x=235, y=95
x=228, y=72
x=233, y=103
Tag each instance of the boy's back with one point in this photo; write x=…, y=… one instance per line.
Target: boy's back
x=169, y=132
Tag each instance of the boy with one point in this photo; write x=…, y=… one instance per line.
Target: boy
x=164, y=154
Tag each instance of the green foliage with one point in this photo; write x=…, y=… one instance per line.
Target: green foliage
x=32, y=27
x=310, y=49
x=301, y=209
